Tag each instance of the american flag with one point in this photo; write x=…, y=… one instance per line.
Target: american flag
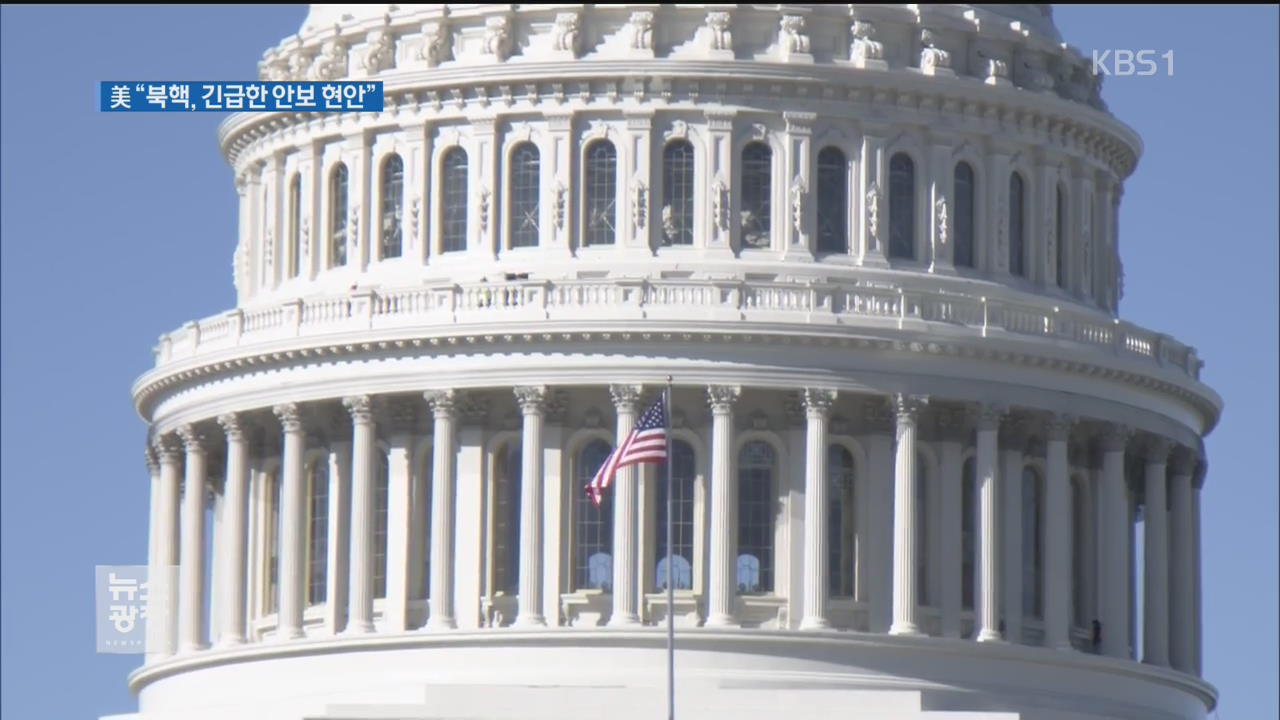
x=646, y=443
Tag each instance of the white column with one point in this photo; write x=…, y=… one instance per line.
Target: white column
x=722, y=578
x=817, y=408
x=337, y=573
x=988, y=619
x=625, y=399
x=165, y=603
x=293, y=511
x=232, y=555
x=1011, y=454
x=532, y=400
x=443, y=451
x=950, y=548
x=191, y=569
x=907, y=409
x=400, y=519
x=1181, y=567
x=363, y=514
x=153, y=544
x=1115, y=532
x=1155, y=586
x=1058, y=540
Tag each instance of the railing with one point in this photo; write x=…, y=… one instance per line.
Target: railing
x=690, y=300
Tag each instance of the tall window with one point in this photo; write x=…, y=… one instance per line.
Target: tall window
x=381, y=496
x=902, y=207
x=273, y=542
x=683, y=476
x=601, y=201
x=592, y=526
x=1032, y=543
x=453, y=200
x=318, y=532
x=1060, y=233
x=963, y=215
x=506, y=520
x=392, y=206
x=525, y=184
x=968, y=533
x=677, y=193
x=833, y=201
x=841, y=547
x=757, y=186
x=1017, y=225
x=338, y=216
x=924, y=589
x=756, y=463
x=1079, y=530
x=295, y=225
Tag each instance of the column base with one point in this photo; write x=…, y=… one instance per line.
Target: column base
x=905, y=628
x=624, y=620
x=357, y=628
x=435, y=623
x=990, y=636
x=529, y=620
x=815, y=623
x=722, y=621
x=230, y=642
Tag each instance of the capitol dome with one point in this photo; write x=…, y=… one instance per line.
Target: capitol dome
x=875, y=249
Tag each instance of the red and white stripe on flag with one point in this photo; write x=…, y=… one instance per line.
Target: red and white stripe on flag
x=647, y=443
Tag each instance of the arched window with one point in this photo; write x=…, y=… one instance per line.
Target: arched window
x=506, y=519
x=677, y=193
x=902, y=207
x=841, y=528
x=1079, y=568
x=392, y=194
x=592, y=526
x=924, y=589
x=295, y=225
x=338, y=216
x=833, y=201
x=757, y=187
x=453, y=200
x=1060, y=234
x=968, y=534
x=1032, y=543
x=525, y=184
x=683, y=476
x=1017, y=225
x=756, y=464
x=318, y=531
x=381, y=496
x=601, y=194
x=964, y=215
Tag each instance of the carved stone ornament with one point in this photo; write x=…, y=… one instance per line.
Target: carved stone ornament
x=670, y=230
x=795, y=41
x=591, y=418
x=1002, y=229
x=306, y=238
x=565, y=35
x=679, y=129
x=299, y=64
x=240, y=268
x=331, y=63
x=414, y=209
x=354, y=222
x=497, y=37
x=268, y=249
x=381, y=52
x=932, y=57
x=719, y=37
x=483, y=209
x=641, y=26
x=873, y=216
x=435, y=43
x=720, y=205
x=799, y=191
x=640, y=207
x=940, y=219
x=275, y=69
x=561, y=203
x=865, y=46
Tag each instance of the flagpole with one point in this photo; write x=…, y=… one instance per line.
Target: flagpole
x=671, y=593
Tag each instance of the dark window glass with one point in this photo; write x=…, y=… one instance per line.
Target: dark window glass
x=841, y=537
x=601, y=191
x=756, y=466
x=318, y=533
x=392, y=206
x=683, y=477
x=382, y=492
x=677, y=193
x=506, y=520
x=295, y=225
x=1017, y=225
x=338, y=216
x=757, y=186
x=1061, y=236
x=1032, y=544
x=833, y=201
x=592, y=526
x=964, y=214
x=525, y=179
x=902, y=207
x=924, y=594
x=968, y=534
x=453, y=201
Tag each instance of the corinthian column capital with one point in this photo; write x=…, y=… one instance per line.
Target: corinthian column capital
x=818, y=402
x=531, y=398
x=625, y=396
x=290, y=416
x=360, y=407
x=194, y=438
x=233, y=425
x=906, y=407
x=1058, y=426
x=444, y=403
x=722, y=397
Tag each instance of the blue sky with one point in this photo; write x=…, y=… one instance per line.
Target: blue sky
x=116, y=228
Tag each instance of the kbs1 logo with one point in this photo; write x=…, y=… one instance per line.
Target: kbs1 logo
x=1124, y=63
